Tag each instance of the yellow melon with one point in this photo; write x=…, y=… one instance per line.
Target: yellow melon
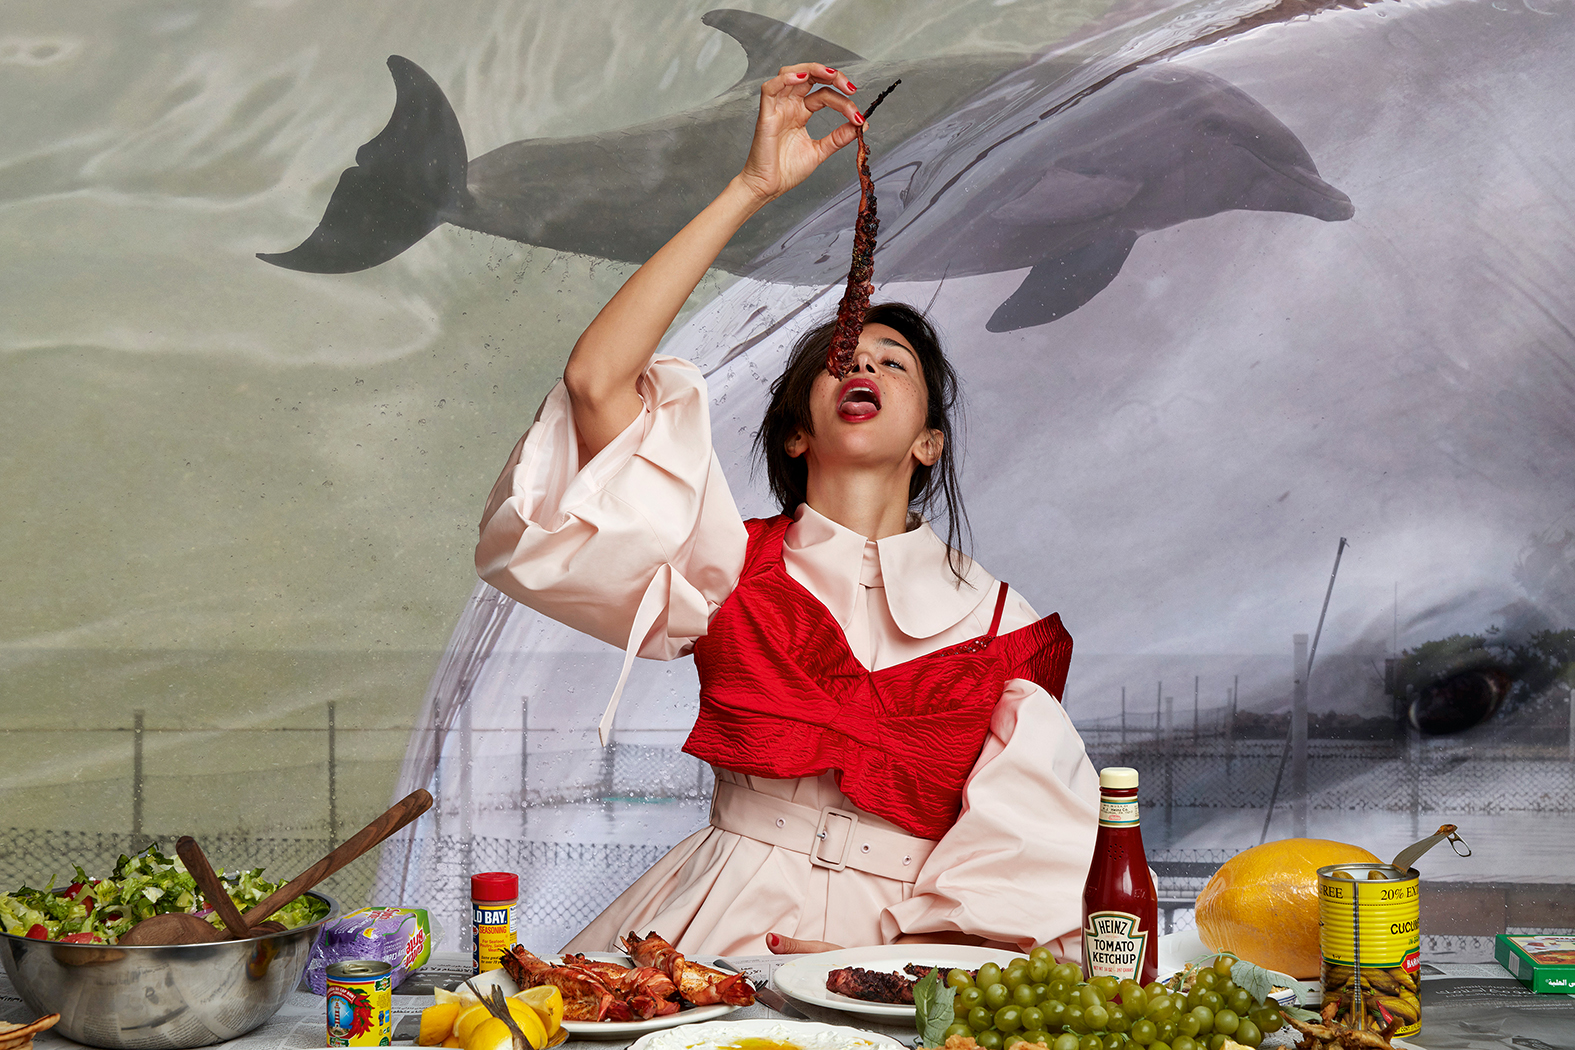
x=1262, y=904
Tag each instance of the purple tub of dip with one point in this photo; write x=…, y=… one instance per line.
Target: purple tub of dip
x=401, y=937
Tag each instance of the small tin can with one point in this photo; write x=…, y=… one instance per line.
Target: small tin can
x=1370, y=937
x=360, y=1003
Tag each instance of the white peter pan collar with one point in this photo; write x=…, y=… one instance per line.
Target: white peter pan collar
x=922, y=594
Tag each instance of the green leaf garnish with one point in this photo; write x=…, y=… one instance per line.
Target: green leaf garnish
x=932, y=1008
x=1252, y=977
x=1299, y=1013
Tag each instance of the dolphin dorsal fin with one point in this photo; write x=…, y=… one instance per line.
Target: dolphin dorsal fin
x=769, y=44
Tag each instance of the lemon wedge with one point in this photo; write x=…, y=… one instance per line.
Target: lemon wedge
x=493, y=1034
x=470, y=1016
x=437, y=1023
x=547, y=1001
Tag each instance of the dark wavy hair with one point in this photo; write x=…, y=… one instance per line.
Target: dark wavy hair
x=932, y=487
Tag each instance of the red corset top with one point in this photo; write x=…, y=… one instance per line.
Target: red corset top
x=782, y=696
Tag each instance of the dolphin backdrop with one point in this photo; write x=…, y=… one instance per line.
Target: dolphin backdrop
x=1227, y=283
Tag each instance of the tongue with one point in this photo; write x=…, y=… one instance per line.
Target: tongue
x=859, y=409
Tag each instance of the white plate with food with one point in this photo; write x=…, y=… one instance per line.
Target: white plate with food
x=763, y=1034
x=1176, y=950
x=804, y=978
x=608, y=1029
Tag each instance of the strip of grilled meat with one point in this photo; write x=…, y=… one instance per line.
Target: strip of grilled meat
x=872, y=986
x=856, y=297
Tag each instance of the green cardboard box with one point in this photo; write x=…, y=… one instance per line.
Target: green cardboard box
x=1543, y=962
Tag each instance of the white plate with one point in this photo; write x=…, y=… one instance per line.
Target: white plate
x=609, y=1029
x=811, y=1035
x=1178, y=949
x=804, y=978
x=627, y=1029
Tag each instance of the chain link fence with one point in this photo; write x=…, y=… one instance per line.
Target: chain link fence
x=567, y=883
x=1392, y=776
x=34, y=857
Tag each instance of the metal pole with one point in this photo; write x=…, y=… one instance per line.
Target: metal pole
x=1194, y=709
x=1299, y=736
x=1170, y=779
x=136, y=780
x=1324, y=611
x=333, y=778
x=1159, y=705
x=1124, y=721
x=435, y=733
x=1230, y=724
x=1275, y=794
x=467, y=761
x=1413, y=754
x=1290, y=732
x=524, y=752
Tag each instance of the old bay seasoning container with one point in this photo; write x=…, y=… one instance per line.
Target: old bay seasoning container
x=1120, y=901
x=360, y=999
x=1371, y=939
x=494, y=897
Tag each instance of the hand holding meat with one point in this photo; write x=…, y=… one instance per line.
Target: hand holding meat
x=783, y=153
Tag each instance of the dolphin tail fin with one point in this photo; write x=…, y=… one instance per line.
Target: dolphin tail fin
x=1056, y=287
x=396, y=194
x=770, y=45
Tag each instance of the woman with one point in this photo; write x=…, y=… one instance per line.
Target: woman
x=890, y=765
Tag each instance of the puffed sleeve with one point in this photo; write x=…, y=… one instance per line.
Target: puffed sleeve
x=1012, y=868
x=638, y=546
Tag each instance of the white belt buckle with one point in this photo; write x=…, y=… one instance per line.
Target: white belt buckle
x=827, y=812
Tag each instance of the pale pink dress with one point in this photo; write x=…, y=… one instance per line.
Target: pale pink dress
x=640, y=545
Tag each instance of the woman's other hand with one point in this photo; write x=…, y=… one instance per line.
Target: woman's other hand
x=783, y=153
x=781, y=945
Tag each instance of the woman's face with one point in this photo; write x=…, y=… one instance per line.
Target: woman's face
x=874, y=416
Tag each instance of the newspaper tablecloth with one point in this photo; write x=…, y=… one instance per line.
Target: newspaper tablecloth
x=1465, y=1006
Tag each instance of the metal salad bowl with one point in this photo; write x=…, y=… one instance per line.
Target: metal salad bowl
x=161, y=997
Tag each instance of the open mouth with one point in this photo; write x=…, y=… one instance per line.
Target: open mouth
x=859, y=399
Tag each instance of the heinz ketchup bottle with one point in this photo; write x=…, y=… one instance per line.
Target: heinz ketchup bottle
x=1120, y=901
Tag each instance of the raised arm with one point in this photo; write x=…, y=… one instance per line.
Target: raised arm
x=608, y=358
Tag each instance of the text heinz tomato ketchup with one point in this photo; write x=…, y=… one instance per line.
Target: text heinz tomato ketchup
x=1120, y=901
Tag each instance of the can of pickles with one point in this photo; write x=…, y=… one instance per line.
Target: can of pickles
x=360, y=1003
x=1370, y=937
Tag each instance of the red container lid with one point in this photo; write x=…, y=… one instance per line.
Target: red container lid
x=494, y=886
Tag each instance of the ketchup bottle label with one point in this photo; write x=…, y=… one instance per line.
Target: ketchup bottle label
x=1118, y=812
x=1114, y=945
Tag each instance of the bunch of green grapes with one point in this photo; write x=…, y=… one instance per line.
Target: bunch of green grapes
x=1038, y=1000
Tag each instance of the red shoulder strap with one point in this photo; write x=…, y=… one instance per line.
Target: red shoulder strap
x=1000, y=604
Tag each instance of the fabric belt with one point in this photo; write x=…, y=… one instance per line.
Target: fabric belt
x=831, y=838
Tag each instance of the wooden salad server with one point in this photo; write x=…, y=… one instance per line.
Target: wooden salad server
x=185, y=928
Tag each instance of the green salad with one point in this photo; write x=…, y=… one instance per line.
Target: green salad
x=93, y=910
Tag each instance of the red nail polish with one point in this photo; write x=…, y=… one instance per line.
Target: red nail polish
x=858, y=118
x=771, y=940
x=803, y=76
x=830, y=70
x=852, y=86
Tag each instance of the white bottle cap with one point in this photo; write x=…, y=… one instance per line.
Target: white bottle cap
x=1118, y=777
